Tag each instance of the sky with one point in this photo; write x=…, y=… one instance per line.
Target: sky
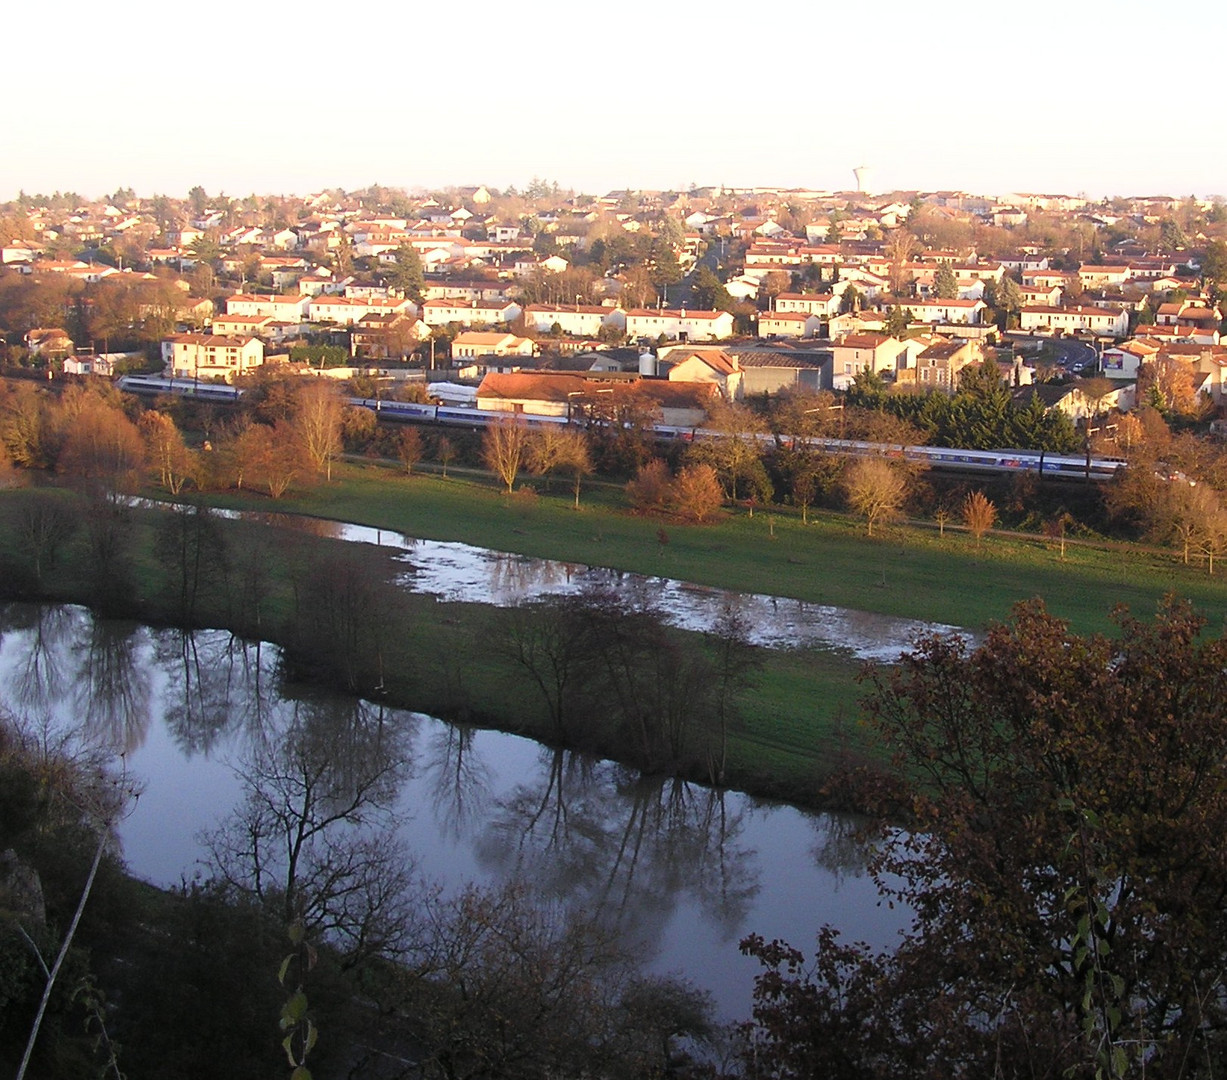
x=275, y=98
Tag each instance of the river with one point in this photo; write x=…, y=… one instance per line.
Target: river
x=458, y=572
x=681, y=871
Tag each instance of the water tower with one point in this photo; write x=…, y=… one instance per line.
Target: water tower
x=861, y=172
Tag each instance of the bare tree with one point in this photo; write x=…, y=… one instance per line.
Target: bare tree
x=445, y=450
x=409, y=448
x=167, y=452
x=876, y=490
x=696, y=493
x=575, y=457
x=318, y=411
x=503, y=449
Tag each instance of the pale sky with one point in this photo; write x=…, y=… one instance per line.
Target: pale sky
x=291, y=98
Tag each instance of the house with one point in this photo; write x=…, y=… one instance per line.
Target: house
x=964, y=312
x=243, y=325
x=476, y=343
x=822, y=304
x=103, y=365
x=769, y=370
x=290, y=308
x=680, y=324
x=788, y=324
x=1070, y=399
x=1096, y=277
x=880, y=353
x=939, y=366
x=574, y=395
x=469, y=313
x=346, y=310
x=578, y=320
x=49, y=342
x=380, y=336
x=211, y=356
x=683, y=363
x=1123, y=361
x=1114, y=321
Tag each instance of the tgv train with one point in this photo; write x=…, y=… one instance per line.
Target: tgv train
x=1039, y=462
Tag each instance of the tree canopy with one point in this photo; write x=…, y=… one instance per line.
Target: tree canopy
x=1066, y=799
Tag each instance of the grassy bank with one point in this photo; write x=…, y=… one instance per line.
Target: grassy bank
x=909, y=572
x=446, y=659
x=443, y=658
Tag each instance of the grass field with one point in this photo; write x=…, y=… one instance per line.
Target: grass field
x=909, y=572
x=798, y=721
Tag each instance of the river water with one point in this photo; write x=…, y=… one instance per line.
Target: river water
x=463, y=573
x=200, y=720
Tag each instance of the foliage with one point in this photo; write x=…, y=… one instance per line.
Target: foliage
x=980, y=415
x=979, y=514
x=1066, y=800
x=876, y=490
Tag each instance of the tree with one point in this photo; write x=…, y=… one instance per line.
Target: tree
x=1066, y=800
x=166, y=450
x=45, y=524
x=318, y=410
x=945, y=284
x=696, y=493
x=876, y=490
x=575, y=457
x=409, y=448
x=503, y=447
x=896, y=322
x=407, y=273
x=737, y=453
x=651, y=489
x=444, y=452
x=978, y=514
x=901, y=246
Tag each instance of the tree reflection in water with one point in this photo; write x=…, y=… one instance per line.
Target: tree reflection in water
x=112, y=686
x=40, y=679
x=216, y=685
x=631, y=848
x=459, y=780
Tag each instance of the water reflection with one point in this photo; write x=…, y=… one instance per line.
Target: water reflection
x=628, y=847
x=679, y=871
x=464, y=573
x=215, y=685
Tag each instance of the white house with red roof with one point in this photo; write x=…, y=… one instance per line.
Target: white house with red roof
x=1114, y=321
x=823, y=304
x=347, y=310
x=284, y=308
x=469, y=312
x=679, y=324
x=933, y=310
x=211, y=356
x=578, y=320
x=796, y=324
x=476, y=343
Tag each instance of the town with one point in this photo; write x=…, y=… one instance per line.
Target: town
x=480, y=627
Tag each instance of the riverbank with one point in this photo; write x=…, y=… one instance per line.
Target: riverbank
x=908, y=572
x=413, y=651
x=790, y=729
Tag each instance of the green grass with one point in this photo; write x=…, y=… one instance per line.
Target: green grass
x=909, y=572
x=801, y=717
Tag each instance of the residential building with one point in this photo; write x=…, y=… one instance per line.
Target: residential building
x=469, y=313
x=577, y=320
x=1112, y=321
x=679, y=325
x=880, y=353
x=211, y=356
x=476, y=343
